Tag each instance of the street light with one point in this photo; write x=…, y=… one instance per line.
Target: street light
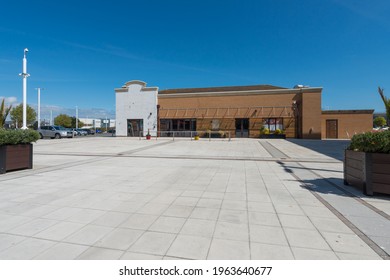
x=39, y=106
x=77, y=117
x=24, y=76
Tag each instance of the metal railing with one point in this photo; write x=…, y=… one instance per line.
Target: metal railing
x=207, y=134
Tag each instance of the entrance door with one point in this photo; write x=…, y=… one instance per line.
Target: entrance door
x=242, y=128
x=331, y=129
x=134, y=127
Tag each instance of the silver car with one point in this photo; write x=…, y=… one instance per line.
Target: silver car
x=54, y=131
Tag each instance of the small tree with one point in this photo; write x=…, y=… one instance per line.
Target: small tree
x=386, y=101
x=17, y=115
x=80, y=123
x=63, y=120
x=4, y=111
x=379, y=121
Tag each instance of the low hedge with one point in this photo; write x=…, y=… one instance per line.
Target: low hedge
x=18, y=136
x=371, y=142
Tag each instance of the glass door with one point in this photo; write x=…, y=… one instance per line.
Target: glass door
x=135, y=127
x=242, y=128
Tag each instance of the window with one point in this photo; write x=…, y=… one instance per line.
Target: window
x=273, y=123
x=178, y=124
x=215, y=124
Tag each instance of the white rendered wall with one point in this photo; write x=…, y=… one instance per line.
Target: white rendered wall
x=135, y=101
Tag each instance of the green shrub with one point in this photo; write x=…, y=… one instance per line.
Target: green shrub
x=379, y=121
x=371, y=142
x=278, y=131
x=262, y=129
x=13, y=137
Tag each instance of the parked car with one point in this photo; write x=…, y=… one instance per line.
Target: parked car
x=81, y=132
x=54, y=131
x=90, y=131
x=380, y=128
x=73, y=130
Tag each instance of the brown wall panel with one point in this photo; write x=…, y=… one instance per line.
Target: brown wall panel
x=349, y=124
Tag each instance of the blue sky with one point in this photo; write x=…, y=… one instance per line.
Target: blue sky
x=81, y=50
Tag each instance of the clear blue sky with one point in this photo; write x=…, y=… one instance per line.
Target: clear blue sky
x=81, y=50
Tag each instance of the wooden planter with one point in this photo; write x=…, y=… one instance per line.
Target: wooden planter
x=15, y=157
x=368, y=171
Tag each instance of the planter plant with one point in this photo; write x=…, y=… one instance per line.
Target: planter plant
x=148, y=136
x=16, y=150
x=367, y=162
x=278, y=134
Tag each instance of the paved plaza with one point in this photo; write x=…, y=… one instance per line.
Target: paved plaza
x=125, y=198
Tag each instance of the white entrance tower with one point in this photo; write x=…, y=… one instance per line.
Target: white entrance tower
x=136, y=104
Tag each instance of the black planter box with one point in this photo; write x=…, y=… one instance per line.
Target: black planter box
x=16, y=157
x=273, y=136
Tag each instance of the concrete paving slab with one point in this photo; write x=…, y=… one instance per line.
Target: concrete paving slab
x=267, y=235
x=88, y=235
x=313, y=254
x=204, y=213
x=221, y=249
x=168, y=224
x=129, y=198
x=305, y=238
x=189, y=247
x=59, y=231
x=231, y=231
x=233, y=216
x=260, y=251
x=264, y=218
x=347, y=243
x=26, y=249
x=138, y=256
x=9, y=240
x=153, y=243
x=139, y=221
x=62, y=251
x=199, y=227
x=94, y=253
x=295, y=221
x=119, y=238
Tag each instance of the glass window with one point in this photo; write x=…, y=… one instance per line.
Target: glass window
x=178, y=124
x=273, y=123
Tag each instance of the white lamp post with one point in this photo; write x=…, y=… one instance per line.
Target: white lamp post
x=39, y=106
x=24, y=76
x=77, y=118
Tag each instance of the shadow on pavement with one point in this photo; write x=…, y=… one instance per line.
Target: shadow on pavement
x=330, y=185
x=331, y=148
x=325, y=186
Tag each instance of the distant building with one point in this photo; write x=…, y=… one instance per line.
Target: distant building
x=97, y=123
x=240, y=111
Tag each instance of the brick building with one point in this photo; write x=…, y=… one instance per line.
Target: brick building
x=240, y=111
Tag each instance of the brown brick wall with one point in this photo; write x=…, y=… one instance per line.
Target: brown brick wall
x=311, y=115
x=272, y=105
x=255, y=107
x=348, y=124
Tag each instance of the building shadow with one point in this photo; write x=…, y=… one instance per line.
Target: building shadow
x=330, y=148
x=335, y=186
x=331, y=185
